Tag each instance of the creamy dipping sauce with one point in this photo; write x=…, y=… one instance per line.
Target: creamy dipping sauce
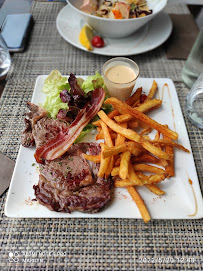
x=120, y=74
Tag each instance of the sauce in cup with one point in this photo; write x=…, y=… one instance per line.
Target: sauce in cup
x=120, y=75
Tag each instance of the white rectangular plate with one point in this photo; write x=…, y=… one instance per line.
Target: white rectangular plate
x=181, y=201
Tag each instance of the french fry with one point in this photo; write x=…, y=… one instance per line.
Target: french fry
x=99, y=130
x=149, y=168
x=157, y=136
x=132, y=135
x=155, y=151
x=128, y=133
x=144, y=107
x=146, y=137
x=164, y=163
x=146, y=158
x=109, y=143
x=107, y=136
x=125, y=183
x=146, y=131
x=119, y=105
x=133, y=147
x=152, y=91
x=117, y=162
x=133, y=124
x=115, y=171
x=110, y=167
x=93, y=158
x=101, y=136
x=111, y=115
x=136, y=103
x=142, y=124
x=170, y=166
x=104, y=162
x=155, y=189
x=133, y=176
x=132, y=99
x=149, y=105
x=120, y=139
x=151, y=179
x=123, y=169
x=114, y=151
x=169, y=142
x=140, y=204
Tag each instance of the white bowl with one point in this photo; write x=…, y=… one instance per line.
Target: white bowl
x=117, y=28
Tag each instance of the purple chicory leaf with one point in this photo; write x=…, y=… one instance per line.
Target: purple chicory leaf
x=65, y=96
x=74, y=87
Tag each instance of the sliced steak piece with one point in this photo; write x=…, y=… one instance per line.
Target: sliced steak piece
x=84, y=192
x=89, y=199
x=27, y=139
x=35, y=114
x=69, y=172
x=46, y=129
x=31, y=118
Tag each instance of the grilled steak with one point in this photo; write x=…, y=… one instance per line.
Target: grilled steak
x=70, y=182
x=31, y=118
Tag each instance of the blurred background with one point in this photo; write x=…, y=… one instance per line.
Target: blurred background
x=23, y=6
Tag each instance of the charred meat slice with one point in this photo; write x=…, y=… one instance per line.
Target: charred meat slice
x=31, y=118
x=27, y=139
x=84, y=191
x=69, y=172
x=35, y=114
x=46, y=129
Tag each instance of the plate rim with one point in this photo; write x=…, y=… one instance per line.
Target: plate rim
x=98, y=52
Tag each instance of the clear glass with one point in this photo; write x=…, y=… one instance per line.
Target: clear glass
x=194, y=103
x=5, y=60
x=121, y=91
x=194, y=64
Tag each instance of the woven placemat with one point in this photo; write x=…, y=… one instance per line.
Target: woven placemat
x=89, y=244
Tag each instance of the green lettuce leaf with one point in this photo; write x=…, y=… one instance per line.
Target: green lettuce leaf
x=92, y=82
x=52, y=87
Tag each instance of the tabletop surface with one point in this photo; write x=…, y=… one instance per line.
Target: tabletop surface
x=89, y=244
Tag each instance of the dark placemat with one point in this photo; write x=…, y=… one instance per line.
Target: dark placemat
x=88, y=244
x=183, y=36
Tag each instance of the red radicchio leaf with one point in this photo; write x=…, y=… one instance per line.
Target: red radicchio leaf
x=65, y=96
x=62, y=142
x=62, y=115
x=74, y=87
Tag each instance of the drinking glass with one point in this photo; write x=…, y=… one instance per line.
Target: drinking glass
x=194, y=64
x=194, y=103
x=5, y=60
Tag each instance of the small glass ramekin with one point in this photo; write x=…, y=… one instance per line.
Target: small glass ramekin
x=122, y=91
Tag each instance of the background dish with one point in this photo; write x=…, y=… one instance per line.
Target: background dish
x=118, y=28
x=145, y=39
x=178, y=203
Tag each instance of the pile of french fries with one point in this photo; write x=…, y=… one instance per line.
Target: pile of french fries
x=128, y=154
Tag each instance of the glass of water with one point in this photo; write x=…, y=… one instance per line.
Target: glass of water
x=194, y=64
x=5, y=60
x=194, y=103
